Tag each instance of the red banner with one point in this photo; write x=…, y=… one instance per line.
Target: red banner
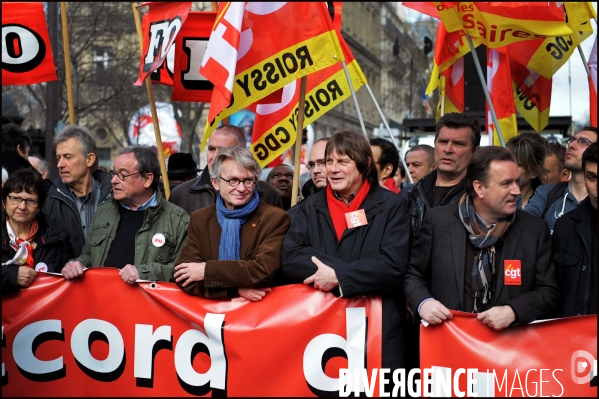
x=190, y=46
x=164, y=23
x=552, y=358
x=97, y=336
x=26, y=49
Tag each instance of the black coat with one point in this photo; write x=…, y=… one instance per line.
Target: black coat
x=370, y=259
x=438, y=263
x=13, y=162
x=61, y=208
x=574, y=243
x=53, y=248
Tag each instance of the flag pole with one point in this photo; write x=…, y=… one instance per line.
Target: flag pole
x=353, y=94
x=584, y=61
x=298, y=141
x=167, y=188
x=376, y=104
x=485, y=89
x=67, y=61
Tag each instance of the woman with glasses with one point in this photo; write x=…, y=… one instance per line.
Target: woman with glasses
x=29, y=243
x=233, y=248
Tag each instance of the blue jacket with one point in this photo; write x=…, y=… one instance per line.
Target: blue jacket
x=536, y=204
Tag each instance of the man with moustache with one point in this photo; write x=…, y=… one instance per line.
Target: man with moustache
x=482, y=254
x=281, y=178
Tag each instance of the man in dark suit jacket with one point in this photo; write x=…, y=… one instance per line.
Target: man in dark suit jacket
x=482, y=255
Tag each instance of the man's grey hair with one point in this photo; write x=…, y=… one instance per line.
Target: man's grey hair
x=83, y=136
x=147, y=161
x=43, y=164
x=234, y=131
x=242, y=157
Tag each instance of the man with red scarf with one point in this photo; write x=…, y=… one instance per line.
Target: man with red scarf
x=352, y=238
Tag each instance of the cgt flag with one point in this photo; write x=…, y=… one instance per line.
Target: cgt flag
x=546, y=56
x=164, y=22
x=26, y=49
x=190, y=46
x=256, y=50
x=496, y=24
x=532, y=95
x=275, y=127
x=498, y=74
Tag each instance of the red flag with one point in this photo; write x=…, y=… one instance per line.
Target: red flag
x=275, y=127
x=164, y=23
x=258, y=49
x=452, y=89
x=190, y=46
x=500, y=91
x=497, y=24
x=26, y=49
x=426, y=7
x=593, y=84
x=164, y=73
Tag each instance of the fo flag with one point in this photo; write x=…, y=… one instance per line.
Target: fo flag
x=190, y=47
x=497, y=24
x=164, y=73
x=26, y=50
x=257, y=48
x=275, y=127
x=164, y=23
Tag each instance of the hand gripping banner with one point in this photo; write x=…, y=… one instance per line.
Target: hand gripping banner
x=98, y=336
x=555, y=358
x=26, y=48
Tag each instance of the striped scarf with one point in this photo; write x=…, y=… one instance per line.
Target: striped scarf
x=484, y=241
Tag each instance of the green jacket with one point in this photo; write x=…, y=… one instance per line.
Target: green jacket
x=152, y=262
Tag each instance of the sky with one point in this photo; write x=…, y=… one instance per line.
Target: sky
x=560, y=98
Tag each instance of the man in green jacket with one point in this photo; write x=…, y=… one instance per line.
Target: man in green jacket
x=137, y=231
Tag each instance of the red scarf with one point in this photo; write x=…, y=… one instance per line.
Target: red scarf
x=338, y=209
x=30, y=236
x=390, y=184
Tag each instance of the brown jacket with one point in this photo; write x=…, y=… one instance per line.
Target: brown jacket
x=261, y=240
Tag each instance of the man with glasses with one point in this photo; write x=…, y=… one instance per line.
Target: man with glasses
x=199, y=193
x=551, y=201
x=75, y=196
x=137, y=231
x=233, y=247
x=316, y=166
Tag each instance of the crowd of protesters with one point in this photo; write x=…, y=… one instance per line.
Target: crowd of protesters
x=437, y=245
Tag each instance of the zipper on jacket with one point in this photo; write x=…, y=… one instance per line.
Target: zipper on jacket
x=74, y=210
x=586, y=297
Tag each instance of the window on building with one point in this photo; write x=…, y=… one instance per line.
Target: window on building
x=102, y=58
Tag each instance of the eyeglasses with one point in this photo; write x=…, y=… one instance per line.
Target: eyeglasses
x=30, y=203
x=248, y=183
x=581, y=141
x=121, y=175
x=311, y=165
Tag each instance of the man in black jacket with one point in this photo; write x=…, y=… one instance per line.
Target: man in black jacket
x=75, y=195
x=199, y=193
x=458, y=136
x=15, y=148
x=575, y=247
x=366, y=253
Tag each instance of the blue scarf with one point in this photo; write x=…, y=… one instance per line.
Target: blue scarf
x=230, y=221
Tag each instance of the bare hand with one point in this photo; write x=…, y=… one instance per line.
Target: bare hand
x=25, y=276
x=129, y=274
x=498, y=317
x=72, y=269
x=434, y=312
x=252, y=294
x=324, y=279
x=190, y=272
